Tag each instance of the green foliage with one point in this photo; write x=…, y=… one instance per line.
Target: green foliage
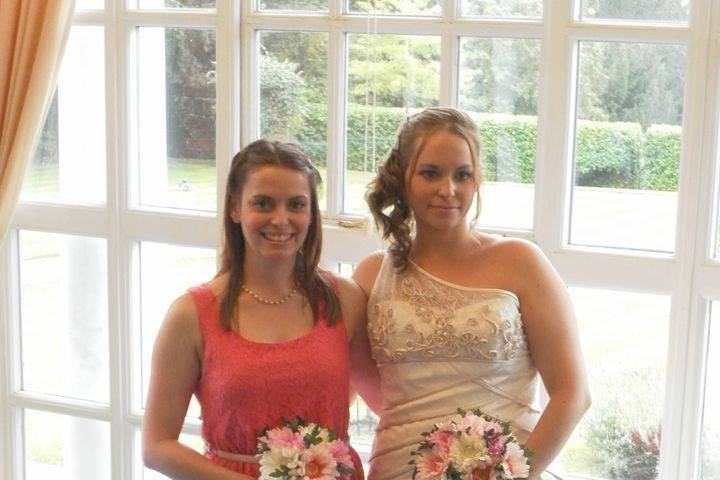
x=502, y=8
x=608, y=154
x=508, y=146
x=661, y=157
x=190, y=91
x=499, y=75
x=284, y=106
x=394, y=70
x=411, y=7
x=638, y=9
x=623, y=426
x=628, y=82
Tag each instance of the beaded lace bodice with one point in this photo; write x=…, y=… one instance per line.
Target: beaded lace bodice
x=440, y=346
x=448, y=322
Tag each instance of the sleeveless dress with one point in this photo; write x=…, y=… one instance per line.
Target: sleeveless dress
x=246, y=386
x=440, y=346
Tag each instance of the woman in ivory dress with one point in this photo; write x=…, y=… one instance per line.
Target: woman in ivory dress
x=458, y=318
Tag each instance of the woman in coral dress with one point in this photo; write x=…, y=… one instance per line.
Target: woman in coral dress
x=458, y=318
x=266, y=339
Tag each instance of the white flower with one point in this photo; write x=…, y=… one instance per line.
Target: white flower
x=272, y=460
x=468, y=452
x=323, y=433
x=317, y=463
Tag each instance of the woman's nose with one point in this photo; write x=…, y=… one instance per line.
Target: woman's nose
x=447, y=188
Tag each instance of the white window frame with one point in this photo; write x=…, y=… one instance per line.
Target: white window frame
x=690, y=276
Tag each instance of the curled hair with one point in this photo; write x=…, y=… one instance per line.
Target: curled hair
x=308, y=278
x=386, y=194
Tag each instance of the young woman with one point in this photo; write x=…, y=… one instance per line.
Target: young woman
x=267, y=338
x=458, y=318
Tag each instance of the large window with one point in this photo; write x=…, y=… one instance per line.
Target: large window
x=599, y=124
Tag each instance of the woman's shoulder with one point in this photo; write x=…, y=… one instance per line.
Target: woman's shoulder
x=367, y=270
x=351, y=298
x=182, y=318
x=509, y=249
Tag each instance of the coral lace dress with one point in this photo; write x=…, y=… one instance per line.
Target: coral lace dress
x=246, y=386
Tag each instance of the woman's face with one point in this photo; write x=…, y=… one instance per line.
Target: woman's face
x=274, y=212
x=441, y=188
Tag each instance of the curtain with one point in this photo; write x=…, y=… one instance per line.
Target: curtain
x=33, y=34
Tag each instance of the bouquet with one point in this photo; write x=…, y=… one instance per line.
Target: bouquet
x=301, y=450
x=470, y=446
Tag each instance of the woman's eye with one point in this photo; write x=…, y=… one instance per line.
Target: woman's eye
x=462, y=176
x=261, y=204
x=297, y=205
x=429, y=174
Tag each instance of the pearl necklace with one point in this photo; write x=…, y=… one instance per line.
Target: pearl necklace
x=268, y=302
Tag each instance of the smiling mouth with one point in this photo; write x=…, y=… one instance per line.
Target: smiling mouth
x=445, y=207
x=277, y=237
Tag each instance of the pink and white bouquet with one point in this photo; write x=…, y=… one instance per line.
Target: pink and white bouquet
x=301, y=450
x=470, y=446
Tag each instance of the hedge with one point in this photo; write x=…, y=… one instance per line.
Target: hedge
x=609, y=154
x=661, y=155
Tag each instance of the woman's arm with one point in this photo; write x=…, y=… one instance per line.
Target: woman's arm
x=554, y=344
x=364, y=373
x=176, y=368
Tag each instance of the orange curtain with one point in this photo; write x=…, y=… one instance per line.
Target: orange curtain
x=33, y=34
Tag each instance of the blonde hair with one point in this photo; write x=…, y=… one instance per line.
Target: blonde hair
x=386, y=193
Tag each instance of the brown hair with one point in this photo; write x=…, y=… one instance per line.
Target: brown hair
x=309, y=279
x=386, y=193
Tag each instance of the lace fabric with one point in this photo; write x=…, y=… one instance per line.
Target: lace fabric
x=440, y=346
x=246, y=386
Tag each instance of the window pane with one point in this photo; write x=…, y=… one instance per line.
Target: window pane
x=389, y=77
x=498, y=87
x=624, y=339
x=627, y=145
x=294, y=5
x=176, y=117
x=161, y=4
x=166, y=272
x=89, y=4
x=710, y=447
x=141, y=472
x=69, y=160
x=362, y=429
x=396, y=7
x=503, y=8
x=293, y=92
x=655, y=10
x=64, y=448
x=63, y=311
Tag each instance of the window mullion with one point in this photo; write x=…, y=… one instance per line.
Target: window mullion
x=337, y=66
x=9, y=441
x=702, y=137
x=228, y=97
x=118, y=188
x=250, y=80
x=689, y=313
x=449, y=55
x=555, y=113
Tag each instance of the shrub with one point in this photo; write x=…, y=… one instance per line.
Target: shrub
x=623, y=426
x=508, y=146
x=608, y=154
x=661, y=157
